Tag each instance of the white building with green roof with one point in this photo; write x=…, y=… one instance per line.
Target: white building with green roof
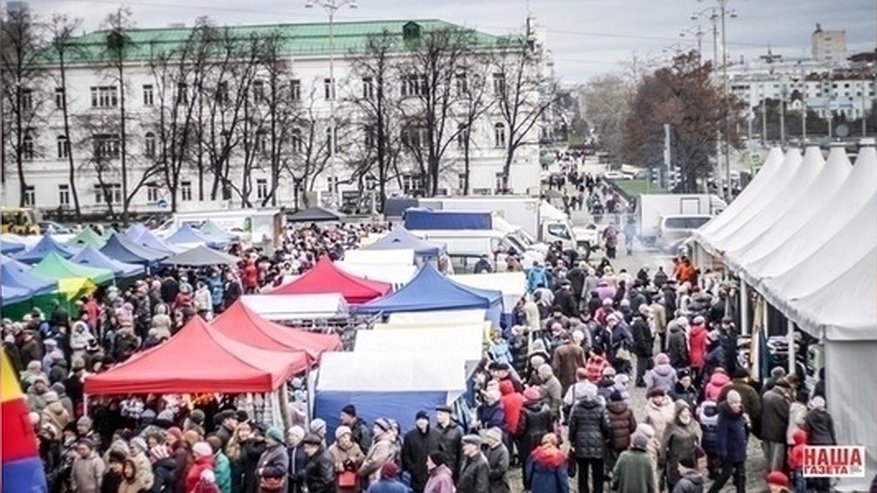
x=243, y=114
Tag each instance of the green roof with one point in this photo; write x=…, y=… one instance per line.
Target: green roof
x=306, y=39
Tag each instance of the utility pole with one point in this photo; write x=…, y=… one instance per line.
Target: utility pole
x=783, y=111
x=331, y=7
x=723, y=4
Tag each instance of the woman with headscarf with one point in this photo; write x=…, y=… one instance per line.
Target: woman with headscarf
x=273, y=465
x=681, y=438
x=347, y=457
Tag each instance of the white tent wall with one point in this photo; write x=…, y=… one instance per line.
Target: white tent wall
x=296, y=306
x=391, y=372
x=512, y=285
x=395, y=274
x=442, y=317
x=454, y=342
x=852, y=401
x=397, y=257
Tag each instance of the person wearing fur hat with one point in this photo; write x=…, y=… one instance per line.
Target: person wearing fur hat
x=416, y=446
x=732, y=435
x=633, y=471
x=589, y=429
x=474, y=470
x=383, y=450
x=137, y=451
x=203, y=461
x=681, y=437
x=536, y=421
x=273, y=465
x=622, y=424
x=347, y=457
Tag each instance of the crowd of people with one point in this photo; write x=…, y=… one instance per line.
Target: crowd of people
x=553, y=398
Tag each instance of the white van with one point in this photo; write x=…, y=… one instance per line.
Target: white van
x=674, y=229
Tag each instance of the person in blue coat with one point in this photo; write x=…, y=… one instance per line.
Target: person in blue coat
x=732, y=435
x=547, y=467
x=389, y=482
x=490, y=413
x=537, y=278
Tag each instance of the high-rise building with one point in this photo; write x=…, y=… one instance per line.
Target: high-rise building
x=829, y=46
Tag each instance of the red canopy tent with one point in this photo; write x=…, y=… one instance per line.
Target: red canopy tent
x=326, y=278
x=199, y=359
x=242, y=324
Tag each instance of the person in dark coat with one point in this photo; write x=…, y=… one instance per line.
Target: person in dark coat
x=690, y=478
x=359, y=430
x=622, y=424
x=297, y=458
x=588, y=431
x=684, y=389
x=819, y=426
x=319, y=473
x=490, y=413
x=774, y=424
x=450, y=437
x=274, y=462
x=682, y=437
x=643, y=342
x=474, y=470
x=751, y=399
x=498, y=461
x=163, y=469
x=547, y=468
x=416, y=447
x=732, y=435
x=677, y=346
x=536, y=421
x=565, y=300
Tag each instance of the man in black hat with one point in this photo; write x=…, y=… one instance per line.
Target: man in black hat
x=319, y=472
x=418, y=444
x=450, y=436
x=358, y=429
x=227, y=422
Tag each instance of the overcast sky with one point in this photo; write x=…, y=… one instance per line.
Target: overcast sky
x=587, y=37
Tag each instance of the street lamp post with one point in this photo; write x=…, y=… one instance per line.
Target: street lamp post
x=331, y=7
x=698, y=33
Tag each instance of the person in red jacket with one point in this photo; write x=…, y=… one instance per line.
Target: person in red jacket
x=697, y=341
x=595, y=365
x=796, y=460
x=512, y=404
x=203, y=453
x=251, y=277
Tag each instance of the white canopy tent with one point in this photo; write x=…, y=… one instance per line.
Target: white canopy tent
x=383, y=257
x=279, y=307
x=463, y=344
x=442, y=317
x=512, y=285
x=395, y=274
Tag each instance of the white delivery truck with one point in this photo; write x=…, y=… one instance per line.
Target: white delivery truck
x=256, y=226
x=520, y=216
x=653, y=207
x=466, y=246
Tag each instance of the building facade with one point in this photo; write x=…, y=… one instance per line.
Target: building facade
x=829, y=46
x=184, y=127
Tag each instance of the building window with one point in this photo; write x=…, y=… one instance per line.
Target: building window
x=30, y=195
x=295, y=90
x=328, y=89
x=332, y=184
x=297, y=143
x=152, y=192
x=411, y=183
x=27, y=100
x=261, y=188
x=461, y=181
x=368, y=88
x=499, y=84
x=259, y=91
x=331, y=141
x=63, y=147
x=148, y=96
x=461, y=83
x=59, y=98
x=149, y=144
x=499, y=135
x=462, y=135
x=222, y=92
x=262, y=141
x=27, y=146
x=182, y=93
x=104, y=97
x=64, y=195
x=414, y=85
x=186, y=190
x=370, y=138
x=106, y=146
x=502, y=181
x=108, y=192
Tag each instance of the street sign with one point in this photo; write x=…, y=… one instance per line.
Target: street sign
x=162, y=203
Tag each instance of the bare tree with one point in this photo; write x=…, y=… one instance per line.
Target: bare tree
x=474, y=102
x=21, y=73
x=523, y=94
x=608, y=100
x=63, y=28
x=429, y=98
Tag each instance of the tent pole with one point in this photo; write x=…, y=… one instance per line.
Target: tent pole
x=283, y=400
x=790, y=338
x=744, y=308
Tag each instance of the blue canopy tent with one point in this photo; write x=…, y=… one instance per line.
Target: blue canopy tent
x=12, y=294
x=188, y=236
x=11, y=244
x=16, y=279
x=15, y=274
x=146, y=239
x=92, y=257
x=213, y=231
x=45, y=246
x=120, y=248
x=400, y=238
x=432, y=291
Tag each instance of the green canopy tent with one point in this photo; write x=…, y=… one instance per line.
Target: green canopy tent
x=56, y=267
x=86, y=237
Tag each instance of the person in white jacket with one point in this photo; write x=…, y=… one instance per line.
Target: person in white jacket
x=203, y=300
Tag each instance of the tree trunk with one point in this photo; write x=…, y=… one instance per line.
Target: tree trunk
x=123, y=137
x=70, y=161
x=19, y=150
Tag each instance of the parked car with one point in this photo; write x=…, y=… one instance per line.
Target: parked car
x=614, y=175
x=53, y=228
x=674, y=229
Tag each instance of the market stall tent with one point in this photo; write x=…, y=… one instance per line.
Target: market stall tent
x=146, y=238
x=396, y=275
x=57, y=268
x=455, y=342
x=201, y=256
x=285, y=307
x=242, y=324
x=87, y=236
x=92, y=257
x=387, y=384
x=441, y=317
x=38, y=292
x=400, y=239
x=324, y=277
x=402, y=256
x=216, y=234
x=44, y=247
x=17, y=274
x=512, y=285
x=10, y=243
x=189, y=237
x=199, y=359
x=119, y=247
